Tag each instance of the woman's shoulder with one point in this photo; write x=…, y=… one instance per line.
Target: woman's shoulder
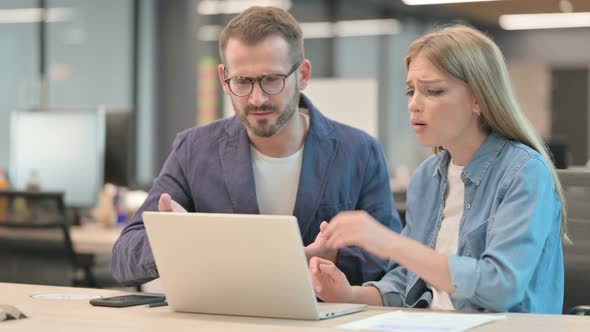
x=516, y=155
x=521, y=163
x=514, y=148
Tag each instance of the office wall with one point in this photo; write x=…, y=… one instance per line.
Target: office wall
x=559, y=47
x=554, y=49
x=177, y=84
x=318, y=51
x=534, y=99
x=351, y=101
x=19, y=66
x=146, y=138
x=89, y=56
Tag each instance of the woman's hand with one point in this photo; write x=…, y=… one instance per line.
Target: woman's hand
x=318, y=247
x=360, y=229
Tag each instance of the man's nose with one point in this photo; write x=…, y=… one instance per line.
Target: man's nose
x=257, y=96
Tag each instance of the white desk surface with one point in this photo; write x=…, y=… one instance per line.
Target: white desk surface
x=79, y=315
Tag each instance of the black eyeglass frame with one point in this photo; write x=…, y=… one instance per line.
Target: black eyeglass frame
x=259, y=81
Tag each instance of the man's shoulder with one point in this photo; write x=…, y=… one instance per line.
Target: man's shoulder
x=210, y=133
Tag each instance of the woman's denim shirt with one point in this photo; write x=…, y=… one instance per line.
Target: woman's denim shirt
x=510, y=253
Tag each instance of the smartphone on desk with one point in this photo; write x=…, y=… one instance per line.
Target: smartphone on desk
x=127, y=300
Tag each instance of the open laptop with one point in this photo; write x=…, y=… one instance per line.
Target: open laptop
x=235, y=264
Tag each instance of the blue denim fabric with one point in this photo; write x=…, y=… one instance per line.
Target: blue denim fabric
x=510, y=254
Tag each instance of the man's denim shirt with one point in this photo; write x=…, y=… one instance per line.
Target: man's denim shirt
x=510, y=252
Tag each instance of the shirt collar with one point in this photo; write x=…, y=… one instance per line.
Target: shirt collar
x=482, y=160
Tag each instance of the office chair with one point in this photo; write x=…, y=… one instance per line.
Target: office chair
x=577, y=257
x=35, y=243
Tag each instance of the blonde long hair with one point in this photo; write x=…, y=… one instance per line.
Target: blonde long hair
x=473, y=58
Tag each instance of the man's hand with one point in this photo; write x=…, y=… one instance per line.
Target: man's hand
x=329, y=283
x=167, y=204
x=318, y=247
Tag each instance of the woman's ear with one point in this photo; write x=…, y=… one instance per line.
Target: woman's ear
x=475, y=107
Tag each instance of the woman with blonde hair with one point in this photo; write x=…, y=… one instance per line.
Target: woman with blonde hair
x=485, y=214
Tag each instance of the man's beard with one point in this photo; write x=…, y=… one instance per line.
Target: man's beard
x=262, y=128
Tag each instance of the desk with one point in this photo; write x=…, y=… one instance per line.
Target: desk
x=92, y=239
x=92, y=245
x=78, y=315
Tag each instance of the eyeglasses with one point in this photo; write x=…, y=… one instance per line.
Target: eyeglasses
x=272, y=84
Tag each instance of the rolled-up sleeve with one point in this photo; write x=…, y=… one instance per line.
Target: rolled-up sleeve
x=515, y=239
x=391, y=286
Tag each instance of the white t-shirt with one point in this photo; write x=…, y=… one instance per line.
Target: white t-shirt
x=277, y=179
x=447, y=241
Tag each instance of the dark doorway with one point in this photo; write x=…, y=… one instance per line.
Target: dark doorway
x=569, y=115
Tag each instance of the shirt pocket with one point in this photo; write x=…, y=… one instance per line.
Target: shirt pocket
x=475, y=239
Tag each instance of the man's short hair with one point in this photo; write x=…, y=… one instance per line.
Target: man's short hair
x=257, y=23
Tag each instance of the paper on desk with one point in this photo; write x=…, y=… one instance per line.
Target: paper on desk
x=421, y=322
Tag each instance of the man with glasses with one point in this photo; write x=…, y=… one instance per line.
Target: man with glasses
x=278, y=154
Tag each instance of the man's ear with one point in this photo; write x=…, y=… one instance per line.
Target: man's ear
x=304, y=74
x=221, y=72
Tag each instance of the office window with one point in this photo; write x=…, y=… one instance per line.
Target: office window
x=19, y=64
x=89, y=53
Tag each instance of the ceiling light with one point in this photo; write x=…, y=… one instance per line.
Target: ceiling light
x=437, y=2
x=215, y=7
x=313, y=30
x=316, y=30
x=34, y=15
x=366, y=28
x=544, y=21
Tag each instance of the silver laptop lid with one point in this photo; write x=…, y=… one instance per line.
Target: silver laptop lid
x=250, y=265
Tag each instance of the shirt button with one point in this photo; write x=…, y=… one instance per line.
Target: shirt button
x=468, y=206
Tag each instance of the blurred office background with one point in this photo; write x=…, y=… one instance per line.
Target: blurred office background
x=155, y=60
x=150, y=67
